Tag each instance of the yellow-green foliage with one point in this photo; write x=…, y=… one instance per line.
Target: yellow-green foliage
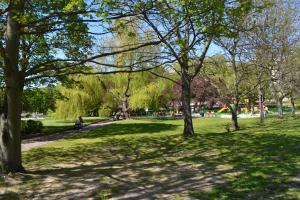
x=148, y=95
x=143, y=89
x=84, y=98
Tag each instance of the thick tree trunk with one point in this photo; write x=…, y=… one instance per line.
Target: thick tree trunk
x=293, y=109
x=279, y=108
x=186, y=106
x=10, y=129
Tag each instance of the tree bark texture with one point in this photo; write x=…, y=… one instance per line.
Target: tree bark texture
x=126, y=95
x=125, y=107
x=10, y=129
x=186, y=105
x=234, y=115
x=10, y=125
x=234, y=111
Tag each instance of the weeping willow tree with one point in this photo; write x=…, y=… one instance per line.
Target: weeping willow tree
x=135, y=91
x=149, y=91
x=94, y=96
x=83, y=98
x=121, y=86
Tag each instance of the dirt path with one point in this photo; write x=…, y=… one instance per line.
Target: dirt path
x=28, y=144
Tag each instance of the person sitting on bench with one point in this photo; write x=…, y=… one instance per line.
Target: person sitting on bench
x=79, y=123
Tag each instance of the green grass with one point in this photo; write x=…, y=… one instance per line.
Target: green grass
x=138, y=159
x=55, y=125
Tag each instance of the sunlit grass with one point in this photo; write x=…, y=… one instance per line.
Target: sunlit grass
x=59, y=125
x=150, y=159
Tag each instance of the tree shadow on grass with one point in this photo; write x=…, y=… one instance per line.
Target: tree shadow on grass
x=140, y=169
x=240, y=165
x=53, y=133
x=127, y=129
x=264, y=166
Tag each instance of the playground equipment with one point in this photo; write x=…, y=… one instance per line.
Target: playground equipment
x=222, y=109
x=244, y=110
x=225, y=107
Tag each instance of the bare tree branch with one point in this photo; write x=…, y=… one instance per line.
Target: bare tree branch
x=36, y=69
x=167, y=78
x=152, y=25
x=88, y=73
x=202, y=57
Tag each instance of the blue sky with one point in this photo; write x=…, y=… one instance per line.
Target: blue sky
x=214, y=49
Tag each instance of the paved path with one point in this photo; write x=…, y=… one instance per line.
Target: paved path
x=28, y=144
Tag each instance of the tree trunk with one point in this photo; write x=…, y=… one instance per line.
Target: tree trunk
x=10, y=129
x=252, y=108
x=249, y=106
x=261, y=108
x=125, y=98
x=234, y=111
x=125, y=107
x=293, y=109
x=186, y=106
x=234, y=118
x=278, y=98
x=279, y=108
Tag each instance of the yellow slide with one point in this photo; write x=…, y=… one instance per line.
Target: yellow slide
x=222, y=110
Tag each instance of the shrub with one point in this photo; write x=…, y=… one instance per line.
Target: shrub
x=31, y=127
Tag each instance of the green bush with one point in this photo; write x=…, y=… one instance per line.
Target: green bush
x=31, y=127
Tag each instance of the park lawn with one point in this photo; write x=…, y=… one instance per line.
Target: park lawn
x=148, y=159
x=59, y=125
